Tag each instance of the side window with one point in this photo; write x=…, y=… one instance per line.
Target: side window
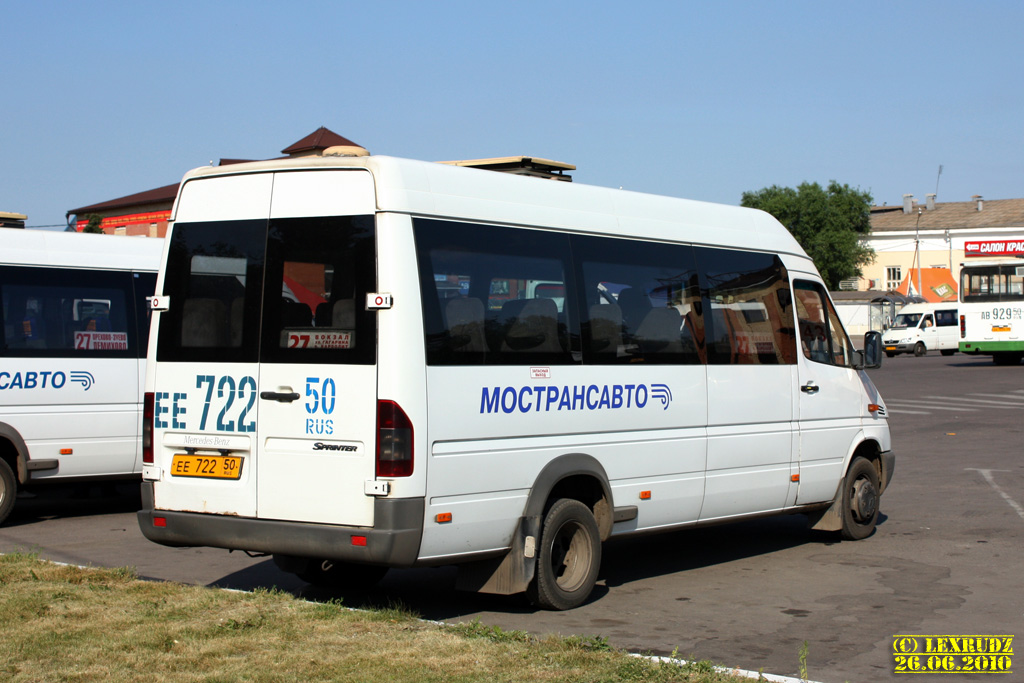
x=946, y=318
x=750, y=307
x=641, y=302
x=65, y=312
x=494, y=295
x=927, y=322
x=822, y=337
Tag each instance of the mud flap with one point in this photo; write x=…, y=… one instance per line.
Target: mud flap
x=509, y=574
x=829, y=519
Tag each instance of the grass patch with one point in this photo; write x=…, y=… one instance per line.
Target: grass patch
x=71, y=624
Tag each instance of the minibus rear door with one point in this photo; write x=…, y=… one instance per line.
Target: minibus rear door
x=318, y=373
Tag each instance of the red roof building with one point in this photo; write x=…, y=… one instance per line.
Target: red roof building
x=147, y=213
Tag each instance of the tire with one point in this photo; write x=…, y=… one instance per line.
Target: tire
x=341, y=575
x=8, y=490
x=569, y=559
x=947, y=352
x=859, y=501
x=919, y=349
x=1006, y=358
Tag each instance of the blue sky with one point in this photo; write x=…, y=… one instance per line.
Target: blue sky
x=700, y=100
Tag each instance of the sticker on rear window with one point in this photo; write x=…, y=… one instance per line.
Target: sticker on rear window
x=321, y=340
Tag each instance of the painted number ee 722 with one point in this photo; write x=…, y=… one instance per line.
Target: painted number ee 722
x=228, y=404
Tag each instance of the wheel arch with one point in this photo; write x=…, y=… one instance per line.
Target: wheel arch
x=830, y=519
x=578, y=476
x=14, y=451
x=870, y=450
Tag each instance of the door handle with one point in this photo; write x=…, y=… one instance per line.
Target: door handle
x=280, y=397
x=809, y=388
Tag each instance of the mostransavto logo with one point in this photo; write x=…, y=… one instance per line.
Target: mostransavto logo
x=579, y=397
x=45, y=379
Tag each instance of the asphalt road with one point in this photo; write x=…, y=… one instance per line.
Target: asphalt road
x=946, y=558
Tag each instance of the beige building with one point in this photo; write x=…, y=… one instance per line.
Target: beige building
x=938, y=232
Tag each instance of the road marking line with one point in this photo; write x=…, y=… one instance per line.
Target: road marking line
x=1010, y=397
x=929, y=406
x=992, y=482
x=998, y=405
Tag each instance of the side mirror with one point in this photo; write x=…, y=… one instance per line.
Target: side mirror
x=871, y=357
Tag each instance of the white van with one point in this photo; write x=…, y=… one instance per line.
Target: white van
x=920, y=328
x=368, y=362
x=75, y=335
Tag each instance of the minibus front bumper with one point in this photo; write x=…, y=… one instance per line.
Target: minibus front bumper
x=898, y=347
x=394, y=540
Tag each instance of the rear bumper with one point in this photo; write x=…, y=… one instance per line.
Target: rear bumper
x=991, y=346
x=393, y=541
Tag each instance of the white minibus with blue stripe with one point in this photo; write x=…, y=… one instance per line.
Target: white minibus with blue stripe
x=363, y=362
x=73, y=357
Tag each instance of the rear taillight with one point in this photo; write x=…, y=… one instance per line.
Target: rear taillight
x=147, y=428
x=394, y=441
x=963, y=327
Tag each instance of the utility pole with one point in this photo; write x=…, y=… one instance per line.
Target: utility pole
x=917, y=250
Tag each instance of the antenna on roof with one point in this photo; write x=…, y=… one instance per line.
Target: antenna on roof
x=937, y=180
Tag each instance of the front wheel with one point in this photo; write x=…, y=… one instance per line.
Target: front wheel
x=570, y=556
x=8, y=490
x=919, y=349
x=859, y=501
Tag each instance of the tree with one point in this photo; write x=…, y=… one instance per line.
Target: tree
x=830, y=224
x=94, y=223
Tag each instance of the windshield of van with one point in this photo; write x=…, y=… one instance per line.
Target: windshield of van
x=904, y=320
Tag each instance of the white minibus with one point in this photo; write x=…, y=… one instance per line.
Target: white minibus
x=368, y=362
x=75, y=336
x=920, y=328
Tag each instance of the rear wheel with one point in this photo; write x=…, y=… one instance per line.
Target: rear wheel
x=570, y=556
x=1006, y=358
x=860, y=496
x=8, y=490
x=948, y=352
x=919, y=349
